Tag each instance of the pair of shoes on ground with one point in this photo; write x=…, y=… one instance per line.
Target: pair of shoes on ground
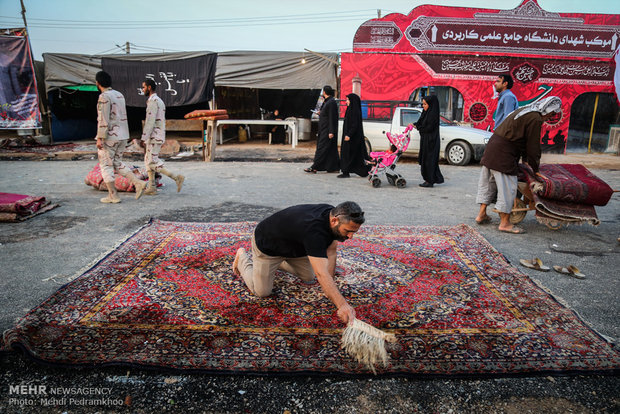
x=426, y=184
x=310, y=170
x=537, y=264
x=343, y=175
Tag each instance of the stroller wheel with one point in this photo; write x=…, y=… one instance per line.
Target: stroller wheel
x=401, y=183
x=376, y=182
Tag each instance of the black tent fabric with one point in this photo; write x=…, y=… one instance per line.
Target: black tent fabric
x=180, y=81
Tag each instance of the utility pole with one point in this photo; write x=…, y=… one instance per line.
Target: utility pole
x=378, y=13
x=127, y=47
x=24, y=13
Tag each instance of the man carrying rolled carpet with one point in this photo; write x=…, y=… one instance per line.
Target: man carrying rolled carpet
x=154, y=136
x=112, y=136
x=302, y=240
x=518, y=137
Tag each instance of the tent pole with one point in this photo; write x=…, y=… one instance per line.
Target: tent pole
x=592, y=125
x=24, y=13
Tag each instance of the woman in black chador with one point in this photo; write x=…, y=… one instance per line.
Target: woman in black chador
x=353, y=153
x=326, y=154
x=428, y=126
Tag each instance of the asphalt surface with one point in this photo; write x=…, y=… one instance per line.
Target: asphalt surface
x=39, y=255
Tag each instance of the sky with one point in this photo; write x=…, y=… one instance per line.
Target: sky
x=153, y=26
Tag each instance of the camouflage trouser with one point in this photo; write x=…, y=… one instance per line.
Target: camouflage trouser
x=110, y=159
x=151, y=156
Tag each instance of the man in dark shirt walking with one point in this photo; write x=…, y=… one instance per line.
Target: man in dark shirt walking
x=301, y=240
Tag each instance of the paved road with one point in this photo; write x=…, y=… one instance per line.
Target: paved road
x=45, y=252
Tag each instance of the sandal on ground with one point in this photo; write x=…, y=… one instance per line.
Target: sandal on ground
x=571, y=270
x=310, y=170
x=535, y=264
x=485, y=220
x=514, y=230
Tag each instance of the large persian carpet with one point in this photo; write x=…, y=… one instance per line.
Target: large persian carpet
x=166, y=297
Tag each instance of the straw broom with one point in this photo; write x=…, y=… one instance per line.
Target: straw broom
x=366, y=344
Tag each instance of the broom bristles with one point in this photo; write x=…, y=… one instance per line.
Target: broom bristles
x=366, y=344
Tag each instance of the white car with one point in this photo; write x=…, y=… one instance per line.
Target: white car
x=459, y=145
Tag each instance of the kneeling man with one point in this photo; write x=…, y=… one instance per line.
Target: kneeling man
x=302, y=240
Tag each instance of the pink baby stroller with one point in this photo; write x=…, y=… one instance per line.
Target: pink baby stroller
x=384, y=162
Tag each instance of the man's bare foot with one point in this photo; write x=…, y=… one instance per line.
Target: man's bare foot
x=483, y=220
x=235, y=266
x=512, y=230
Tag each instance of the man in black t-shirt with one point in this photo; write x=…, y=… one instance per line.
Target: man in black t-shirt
x=301, y=240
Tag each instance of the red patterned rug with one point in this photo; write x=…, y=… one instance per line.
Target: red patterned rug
x=566, y=193
x=20, y=207
x=167, y=298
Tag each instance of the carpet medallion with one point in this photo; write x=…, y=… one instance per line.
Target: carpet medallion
x=166, y=297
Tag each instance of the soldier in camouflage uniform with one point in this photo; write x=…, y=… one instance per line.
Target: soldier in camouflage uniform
x=112, y=136
x=154, y=136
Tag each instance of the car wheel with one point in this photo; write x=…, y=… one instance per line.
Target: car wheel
x=458, y=153
x=368, y=146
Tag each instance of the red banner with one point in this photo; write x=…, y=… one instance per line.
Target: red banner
x=527, y=30
x=396, y=76
x=546, y=53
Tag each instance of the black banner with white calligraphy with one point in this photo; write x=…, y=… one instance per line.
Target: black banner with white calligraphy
x=179, y=81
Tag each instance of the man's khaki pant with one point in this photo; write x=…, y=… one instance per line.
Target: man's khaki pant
x=111, y=159
x=151, y=155
x=260, y=274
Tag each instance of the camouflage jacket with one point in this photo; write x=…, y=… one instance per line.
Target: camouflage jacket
x=155, y=122
x=112, y=116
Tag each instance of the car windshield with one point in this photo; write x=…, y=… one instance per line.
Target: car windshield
x=446, y=122
x=409, y=117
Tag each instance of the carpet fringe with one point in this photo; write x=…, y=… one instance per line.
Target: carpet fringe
x=102, y=256
x=366, y=344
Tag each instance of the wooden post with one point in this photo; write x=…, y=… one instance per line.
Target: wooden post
x=208, y=141
x=592, y=125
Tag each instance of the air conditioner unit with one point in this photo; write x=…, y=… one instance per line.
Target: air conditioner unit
x=613, y=145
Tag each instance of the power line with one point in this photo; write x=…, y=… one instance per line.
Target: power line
x=109, y=50
x=102, y=27
x=351, y=13
x=317, y=18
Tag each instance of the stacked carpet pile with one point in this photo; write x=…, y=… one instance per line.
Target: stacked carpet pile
x=566, y=193
x=95, y=179
x=208, y=114
x=20, y=207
